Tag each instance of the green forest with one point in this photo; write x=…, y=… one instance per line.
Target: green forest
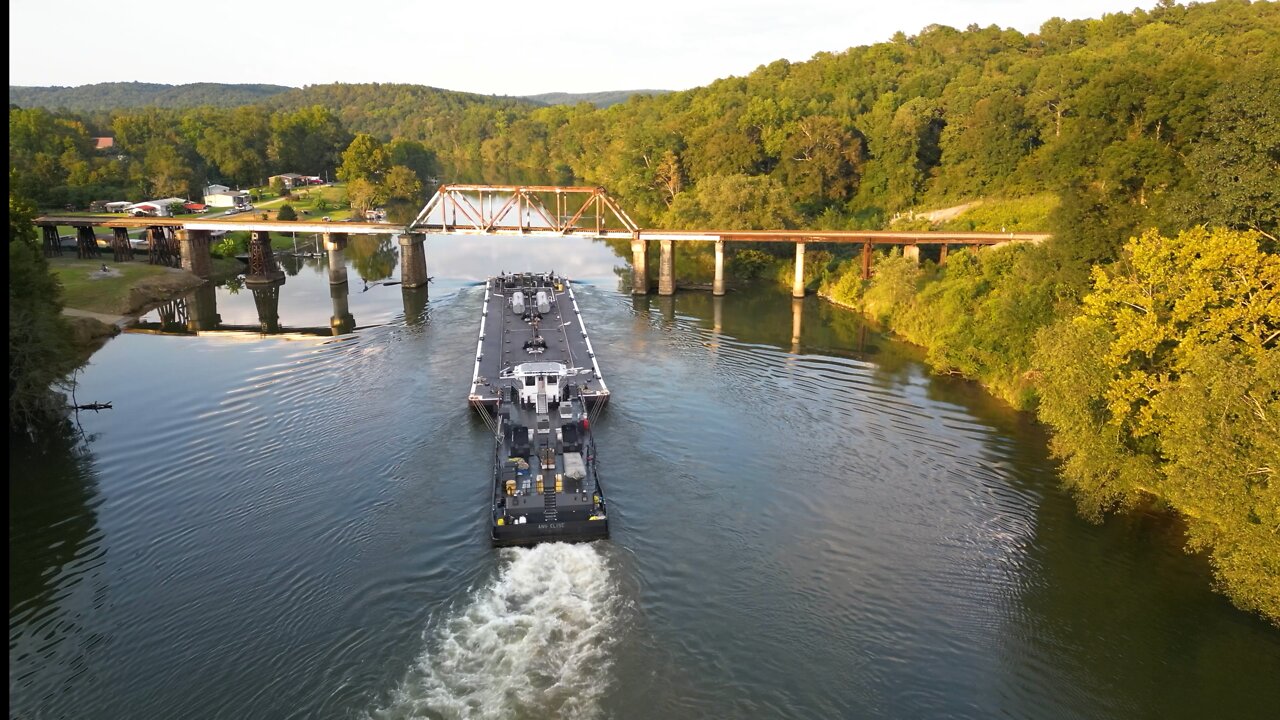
x=113, y=96
x=1148, y=143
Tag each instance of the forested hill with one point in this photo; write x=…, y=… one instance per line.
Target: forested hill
x=390, y=110
x=1134, y=118
x=599, y=99
x=118, y=95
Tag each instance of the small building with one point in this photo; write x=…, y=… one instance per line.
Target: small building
x=215, y=189
x=104, y=143
x=290, y=180
x=154, y=208
x=228, y=199
x=117, y=206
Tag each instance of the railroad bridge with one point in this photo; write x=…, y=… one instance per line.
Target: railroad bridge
x=523, y=210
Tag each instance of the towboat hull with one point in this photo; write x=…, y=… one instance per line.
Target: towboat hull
x=538, y=386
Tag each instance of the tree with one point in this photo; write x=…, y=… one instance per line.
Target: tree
x=237, y=144
x=165, y=172
x=413, y=155
x=1164, y=384
x=984, y=147
x=309, y=139
x=669, y=177
x=366, y=194
x=1237, y=161
x=286, y=213
x=402, y=184
x=39, y=339
x=734, y=201
x=277, y=186
x=819, y=162
x=364, y=159
x=43, y=152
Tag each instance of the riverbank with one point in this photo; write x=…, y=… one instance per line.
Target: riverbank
x=1189, y=431
x=99, y=303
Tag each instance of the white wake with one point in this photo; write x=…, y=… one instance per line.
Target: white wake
x=535, y=642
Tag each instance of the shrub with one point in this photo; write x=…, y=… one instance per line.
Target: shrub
x=750, y=264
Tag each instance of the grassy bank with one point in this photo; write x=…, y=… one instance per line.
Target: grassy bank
x=129, y=286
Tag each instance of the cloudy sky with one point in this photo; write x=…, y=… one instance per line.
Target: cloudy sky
x=494, y=47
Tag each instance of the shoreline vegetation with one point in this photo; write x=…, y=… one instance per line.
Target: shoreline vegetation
x=1162, y=385
x=1144, y=334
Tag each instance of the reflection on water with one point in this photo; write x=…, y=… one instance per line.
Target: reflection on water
x=806, y=524
x=373, y=257
x=415, y=305
x=56, y=582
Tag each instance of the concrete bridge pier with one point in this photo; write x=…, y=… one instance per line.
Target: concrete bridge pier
x=342, y=321
x=336, y=244
x=413, y=260
x=193, y=248
x=797, y=287
x=717, y=287
x=639, y=266
x=911, y=252
x=262, y=262
x=866, y=261
x=666, y=268
x=942, y=255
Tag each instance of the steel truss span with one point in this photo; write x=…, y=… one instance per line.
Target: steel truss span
x=522, y=209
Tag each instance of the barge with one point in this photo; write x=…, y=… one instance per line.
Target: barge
x=538, y=385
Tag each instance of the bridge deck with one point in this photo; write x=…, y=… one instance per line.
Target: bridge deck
x=306, y=226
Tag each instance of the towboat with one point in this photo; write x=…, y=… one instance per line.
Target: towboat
x=538, y=386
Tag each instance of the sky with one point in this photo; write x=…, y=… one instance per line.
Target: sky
x=498, y=47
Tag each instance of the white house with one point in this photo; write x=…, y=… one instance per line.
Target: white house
x=215, y=189
x=154, y=208
x=227, y=199
x=117, y=206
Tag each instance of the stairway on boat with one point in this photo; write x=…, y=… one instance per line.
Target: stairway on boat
x=549, y=512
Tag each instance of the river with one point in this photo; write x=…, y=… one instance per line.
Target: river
x=806, y=524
